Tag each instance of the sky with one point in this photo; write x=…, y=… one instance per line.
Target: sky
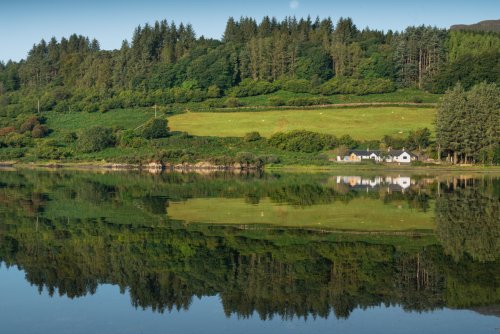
x=25, y=22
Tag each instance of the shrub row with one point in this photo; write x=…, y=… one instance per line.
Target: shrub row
x=249, y=87
x=302, y=141
x=309, y=142
x=343, y=85
x=337, y=85
x=63, y=100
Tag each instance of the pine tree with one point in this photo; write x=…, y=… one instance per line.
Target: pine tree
x=450, y=122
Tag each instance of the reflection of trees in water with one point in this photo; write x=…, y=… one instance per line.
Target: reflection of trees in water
x=95, y=192
x=286, y=274
x=274, y=273
x=468, y=219
x=96, y=189
x=156, y=205
x=415, y=199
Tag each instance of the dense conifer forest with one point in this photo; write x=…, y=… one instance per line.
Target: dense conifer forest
x=165, y=63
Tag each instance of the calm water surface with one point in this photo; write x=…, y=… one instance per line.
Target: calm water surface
x=263, y=253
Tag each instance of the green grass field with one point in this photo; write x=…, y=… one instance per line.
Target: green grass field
x=365, y=123
x=359, y=214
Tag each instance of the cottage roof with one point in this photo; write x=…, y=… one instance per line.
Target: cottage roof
x=363, y=152
x=397, y=153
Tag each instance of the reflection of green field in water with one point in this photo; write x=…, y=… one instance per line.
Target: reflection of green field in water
x=357, y=214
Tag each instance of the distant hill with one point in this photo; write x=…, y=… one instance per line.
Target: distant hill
x=488, y=25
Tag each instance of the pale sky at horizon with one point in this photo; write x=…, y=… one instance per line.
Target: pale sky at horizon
x=24, y=23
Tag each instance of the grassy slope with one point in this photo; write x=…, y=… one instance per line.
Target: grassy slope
x=361, y=123
x=358, y=214
x=377, y=122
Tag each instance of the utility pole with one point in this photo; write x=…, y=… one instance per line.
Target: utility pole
x=38, y=103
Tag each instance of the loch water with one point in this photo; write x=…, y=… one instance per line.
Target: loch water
x=130, y=252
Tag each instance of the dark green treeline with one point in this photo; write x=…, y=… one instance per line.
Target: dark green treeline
x=468, y=124
x=165, y=63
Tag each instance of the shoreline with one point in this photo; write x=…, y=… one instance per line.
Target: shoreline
x=208, y=167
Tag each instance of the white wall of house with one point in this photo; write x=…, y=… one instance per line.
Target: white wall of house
x=372, y=156
x=375, y=157
x=403, y=157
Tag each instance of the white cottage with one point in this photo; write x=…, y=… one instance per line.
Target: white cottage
x=394, y=156
x=359, y=155
x=400, y=156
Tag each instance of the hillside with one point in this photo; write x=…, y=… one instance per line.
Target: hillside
x=487, y=25
x=69, y=100
x=370, y=123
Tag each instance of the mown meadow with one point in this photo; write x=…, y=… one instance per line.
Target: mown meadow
x=366, y=123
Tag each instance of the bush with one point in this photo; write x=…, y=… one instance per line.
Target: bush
x=29, y=124
x=303, y=141
x=14, y=139
x=394, y=142
x=249, y=87
x=11, y=153
x=343, y=85
x=50, y=153
x=174, y=155
x=188, y=158
x=270, y=159
x=214, y=103
x=39, y=131
x=247, y=159
x=69, y=137
x=347, y=141
x=61, y=106
x=297, y=86
x=213, y=92
x=156, y=128
x=252, y=136
x=128, y=138
x=276, y=101
x=95, y=139
x=6, y=131
x=232, y=102
x=91, y=107
x=125, y=137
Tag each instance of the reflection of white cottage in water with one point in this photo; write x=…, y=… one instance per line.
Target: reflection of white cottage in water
x=391, y=156
x=403, y=181
x=398, y=183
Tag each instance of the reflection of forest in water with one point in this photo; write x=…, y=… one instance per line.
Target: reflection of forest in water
x=71, y=232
